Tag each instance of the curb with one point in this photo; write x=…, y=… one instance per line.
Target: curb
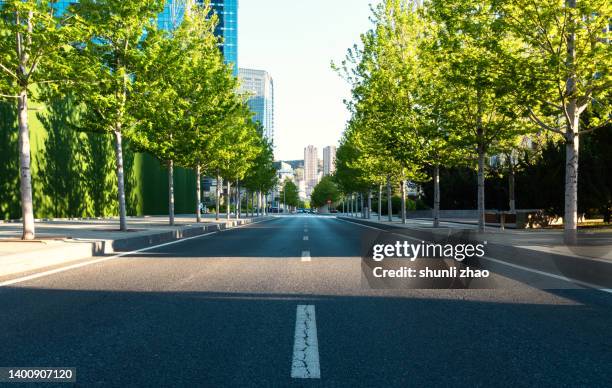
x=73, y=250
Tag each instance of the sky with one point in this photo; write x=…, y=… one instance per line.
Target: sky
x=296, y=41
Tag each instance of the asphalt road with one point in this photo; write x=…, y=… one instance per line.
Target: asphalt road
x=221, y=311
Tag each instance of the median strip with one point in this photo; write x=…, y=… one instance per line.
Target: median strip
x=305, y=364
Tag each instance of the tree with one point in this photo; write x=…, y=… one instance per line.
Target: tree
x=561, y=71
x=180, y=96
x=34, y=42
x=325, y=192
x=471, y=42
x=261, y=177
x=290, y=195
x=107, y=69
x=237, y=146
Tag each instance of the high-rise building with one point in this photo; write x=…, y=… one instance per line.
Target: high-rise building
x=227, y=26
x=260, y=86
x=329, y=160
x=174, y=11
x=227, y=12
x=311, y=168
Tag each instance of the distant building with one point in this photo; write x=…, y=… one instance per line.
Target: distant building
x=260, y=86
x=329, y=160
x=311, y=168
x=284, y=171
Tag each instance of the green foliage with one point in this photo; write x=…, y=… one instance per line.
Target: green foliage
x=108, y=60
x=290, y=194
x=262, y=174
x=324, y=192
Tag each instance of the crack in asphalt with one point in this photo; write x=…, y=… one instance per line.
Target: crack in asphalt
x=306, y=349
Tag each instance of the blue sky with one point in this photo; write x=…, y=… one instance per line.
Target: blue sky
x=296, y=40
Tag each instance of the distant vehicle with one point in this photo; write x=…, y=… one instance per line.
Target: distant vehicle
x=333, y=211
x=275, y=210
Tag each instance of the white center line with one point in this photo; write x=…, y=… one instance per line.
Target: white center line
x=305, y=364
x=305, y=238
x=306, y=256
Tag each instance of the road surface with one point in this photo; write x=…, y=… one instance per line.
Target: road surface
x=280, y=303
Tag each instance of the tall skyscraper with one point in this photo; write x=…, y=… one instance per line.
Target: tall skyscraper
x=329, y=160
x=259, y=84
x=311, y=168
x=174, y=11
x=227, y=12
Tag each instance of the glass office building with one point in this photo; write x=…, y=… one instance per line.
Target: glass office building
x=172, y=16
x=260, y=87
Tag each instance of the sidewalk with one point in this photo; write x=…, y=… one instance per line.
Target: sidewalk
x=62, y=241
x=593, y=244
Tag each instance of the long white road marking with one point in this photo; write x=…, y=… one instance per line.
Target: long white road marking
x=305, y=238
x=516, y=266
x=102, y=260
x=306, y=256
x=305, y=364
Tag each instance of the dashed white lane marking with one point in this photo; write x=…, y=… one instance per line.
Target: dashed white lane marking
x=305, y=238
x=305, y=364
x=306, y=256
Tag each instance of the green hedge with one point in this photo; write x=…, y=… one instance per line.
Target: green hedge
x=73, y=173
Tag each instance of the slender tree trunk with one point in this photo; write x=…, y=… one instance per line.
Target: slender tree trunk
x=228, y=205
x=403, y=191
x=218, y=194
x=389, y=200
x=570, y=217
x=572, y=145
x=120, y=179
x=362, y=203
x=481, y=188
x=171, y=192
x=369, y=213
x=380, y=190
x=25, y=173
x=238, y=200
x=436, y=209
x=198, y=193
x=511, y=189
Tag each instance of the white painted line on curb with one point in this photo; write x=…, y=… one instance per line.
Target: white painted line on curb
x=305, y=364
x=306, y=256
x=558, y=277
x=542, y=273
x=305, y=238
x=92, y=262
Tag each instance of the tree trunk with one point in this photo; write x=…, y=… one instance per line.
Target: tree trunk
x=171, y=192
x=403, y=191
x=481, y=188
x=229, y=200
x=218, y=194
x=198, y=194
x=511, y=189
x=362, y=208
x=25, y=173
x=570, y=217
x=380, y=190
x=238, y=200
x=369, y=213
x=436, y=209
x=389, y=200
x=120, y=179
